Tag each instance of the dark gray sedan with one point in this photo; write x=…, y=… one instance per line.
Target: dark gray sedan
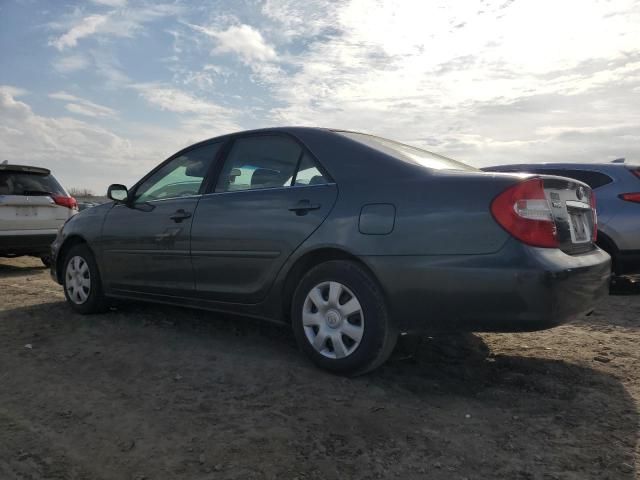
x=350, y=238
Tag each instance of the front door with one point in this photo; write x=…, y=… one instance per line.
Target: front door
x=270, y=196
x=146, y=243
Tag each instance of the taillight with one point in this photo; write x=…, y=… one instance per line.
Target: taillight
x=65, y=201
x=636, y=172
x=523, y=211
x=594, y=237
x=630, y=197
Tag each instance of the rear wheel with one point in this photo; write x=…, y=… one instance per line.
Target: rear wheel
x=81, y=281
x=340, y=319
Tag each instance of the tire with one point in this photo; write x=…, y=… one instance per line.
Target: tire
x=323, y=313
x=81, y=281
x=46, y=260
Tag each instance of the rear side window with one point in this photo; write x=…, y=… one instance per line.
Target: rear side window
x=264, y=161
x=593, y=179
x=24, y=183
x=308, y=172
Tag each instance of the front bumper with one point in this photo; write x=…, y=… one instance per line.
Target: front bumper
x=519, y=288
x=36, y=244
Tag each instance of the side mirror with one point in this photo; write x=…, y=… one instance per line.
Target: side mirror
x=118, y=193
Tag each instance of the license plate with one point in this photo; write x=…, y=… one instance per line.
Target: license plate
x=579, y=228
x=26, y=211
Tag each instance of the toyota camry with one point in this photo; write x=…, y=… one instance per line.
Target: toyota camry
x=349, y=238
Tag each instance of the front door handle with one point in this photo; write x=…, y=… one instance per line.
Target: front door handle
x=180, y=215
x=304, y=206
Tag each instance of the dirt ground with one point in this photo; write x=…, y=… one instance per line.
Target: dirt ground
x=152, y=392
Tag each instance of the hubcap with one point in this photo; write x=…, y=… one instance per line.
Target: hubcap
x=333, y=320
x=78, y=280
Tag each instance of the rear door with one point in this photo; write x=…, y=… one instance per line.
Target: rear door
x=27, y=202
x=145, y=244
x=270, y=196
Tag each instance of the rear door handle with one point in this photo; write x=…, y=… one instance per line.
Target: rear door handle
x=180, y=215
x=304, y=206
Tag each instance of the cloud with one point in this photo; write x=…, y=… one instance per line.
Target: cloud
x=198, y=118
x=111, y=3
x=481, y=92
x=82, y=106
x=86, y=27
x=85, y=154
x=242, y=40
x=109, y=68
x=9, y=91
x=205, y=79
x=73, y=149
x=176, y=100
x=476, y=80
x=119, y=22
x=295, y=19
x=71, y=63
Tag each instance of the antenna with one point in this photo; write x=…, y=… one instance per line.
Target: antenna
x=618, y=160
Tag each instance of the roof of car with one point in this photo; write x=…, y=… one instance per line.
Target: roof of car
x=24, y=169
x=285, y=129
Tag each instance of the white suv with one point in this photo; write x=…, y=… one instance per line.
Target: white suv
x=33, y=205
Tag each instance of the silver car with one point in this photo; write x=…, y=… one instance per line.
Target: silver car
x=33, y=206
x=617, y=188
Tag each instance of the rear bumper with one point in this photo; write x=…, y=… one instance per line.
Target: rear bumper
x=28, y=244
x=519, y=288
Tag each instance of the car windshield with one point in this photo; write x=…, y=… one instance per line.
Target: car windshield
x=27, y=183
x=407, y=153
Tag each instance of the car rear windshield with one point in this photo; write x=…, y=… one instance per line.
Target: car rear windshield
x=28, y=183
x=407, y=153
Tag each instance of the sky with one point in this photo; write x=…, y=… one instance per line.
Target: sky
x=100, y=91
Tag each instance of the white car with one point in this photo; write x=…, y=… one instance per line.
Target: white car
x=33, y=205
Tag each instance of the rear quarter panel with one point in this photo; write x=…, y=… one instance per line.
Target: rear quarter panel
x=435, y=214
x=439, y=217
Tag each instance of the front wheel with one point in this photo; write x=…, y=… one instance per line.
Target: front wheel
x=81, y=281
x=340, y=319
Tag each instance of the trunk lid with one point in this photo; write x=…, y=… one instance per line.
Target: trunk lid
x=21, y=212
x=572, y=207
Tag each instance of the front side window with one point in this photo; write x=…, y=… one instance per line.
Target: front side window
x=264, y=161
x=180, y=177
